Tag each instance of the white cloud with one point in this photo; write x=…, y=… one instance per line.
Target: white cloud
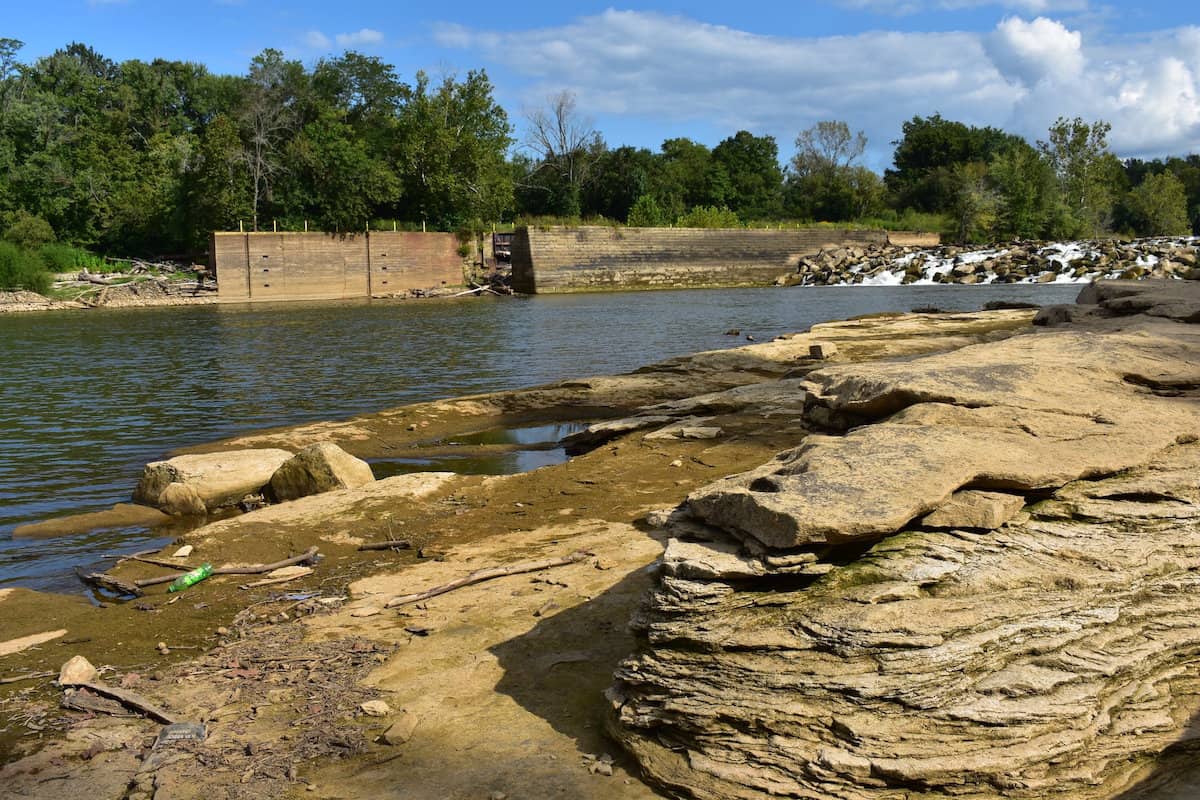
x=679, y=73
x=904, y=7
x=359, y=38
x=1029, y=52
x=317, y=40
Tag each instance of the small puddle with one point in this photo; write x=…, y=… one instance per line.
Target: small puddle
x=534, y=437
x=497, y=451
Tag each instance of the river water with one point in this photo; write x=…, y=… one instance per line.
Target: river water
x=87, y=398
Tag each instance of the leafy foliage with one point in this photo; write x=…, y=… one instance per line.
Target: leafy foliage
x=1158, y=206
x=22, y=269
x=148, y=157
x=646, y=213
x=709, y=217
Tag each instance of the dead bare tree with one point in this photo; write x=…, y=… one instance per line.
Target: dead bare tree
x=563, y=139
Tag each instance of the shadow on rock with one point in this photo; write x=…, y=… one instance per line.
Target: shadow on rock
x=560, y=669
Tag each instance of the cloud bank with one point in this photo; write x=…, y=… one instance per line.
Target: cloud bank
x=1021, y=76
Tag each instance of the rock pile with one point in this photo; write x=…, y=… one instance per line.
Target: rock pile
x=978, y=582
x=201, y=483
x=1022, y=262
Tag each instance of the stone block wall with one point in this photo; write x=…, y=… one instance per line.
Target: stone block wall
x=595, y=258
x=319, y=266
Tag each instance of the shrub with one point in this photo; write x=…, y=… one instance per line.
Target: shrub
x=709, y=217
x=22, y=269
x=64, y=258
x=646, y=213
x=29, y=231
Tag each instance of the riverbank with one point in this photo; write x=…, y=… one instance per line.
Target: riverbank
x=156, y=292
x=526, y=655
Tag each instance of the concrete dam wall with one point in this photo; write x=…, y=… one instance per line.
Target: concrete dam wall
x=595, y=258
x=320, y=266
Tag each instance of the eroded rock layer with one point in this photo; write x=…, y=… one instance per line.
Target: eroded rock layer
x=815, y=634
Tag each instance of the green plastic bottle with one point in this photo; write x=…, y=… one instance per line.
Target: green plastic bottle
x=190, y=578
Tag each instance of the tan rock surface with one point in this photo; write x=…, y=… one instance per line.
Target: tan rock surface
x=218, y=479
x=1025, y=414
x=119, y=516
x=320, y=467
x=974, y=509
x=1053, y=656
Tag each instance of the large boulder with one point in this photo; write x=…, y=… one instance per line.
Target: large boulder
x=199, y=483
x=812, y=635
x=320, y=467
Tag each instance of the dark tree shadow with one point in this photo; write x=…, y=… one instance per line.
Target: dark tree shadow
x=560, y=669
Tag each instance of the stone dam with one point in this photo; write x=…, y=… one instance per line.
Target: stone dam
x=545, y=260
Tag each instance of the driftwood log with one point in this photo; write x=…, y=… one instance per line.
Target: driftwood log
x=129, y=700
x=397, y=544
x=481, y=575
x=28, y=676
x=306, y=557
x=106, y=581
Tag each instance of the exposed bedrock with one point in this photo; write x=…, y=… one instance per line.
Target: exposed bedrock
x=874, y=615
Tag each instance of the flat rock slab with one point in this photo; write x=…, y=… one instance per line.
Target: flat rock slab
x=975, y=510
x=1026, y=414
x=12, y=646
x=121, y=515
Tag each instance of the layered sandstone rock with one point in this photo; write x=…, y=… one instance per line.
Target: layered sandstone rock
x=873, y=616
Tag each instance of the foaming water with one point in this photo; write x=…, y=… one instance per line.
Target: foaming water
x=87, y=398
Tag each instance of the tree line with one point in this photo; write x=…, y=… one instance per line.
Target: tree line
x=146, y=158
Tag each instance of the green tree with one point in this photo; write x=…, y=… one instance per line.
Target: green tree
x=1026, y=192
x=923, y=175
x=450, y=152
x=618, y=178
x=1090, y=178
x=218, y=186
x=972, y=202
x=755, y=179
x=824, y=182
x=269, y=118
x=332, y=179
x=684, y=176
x=28, y=231
x=1158, y=206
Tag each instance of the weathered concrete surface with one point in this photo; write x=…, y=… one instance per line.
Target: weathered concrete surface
x=1054, y=655
x=208, y=481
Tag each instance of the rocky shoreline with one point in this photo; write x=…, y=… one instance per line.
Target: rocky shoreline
x=923, y=555
x=1017, y=262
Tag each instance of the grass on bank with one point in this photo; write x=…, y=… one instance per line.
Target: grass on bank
x=909, y=220
x=33, y=269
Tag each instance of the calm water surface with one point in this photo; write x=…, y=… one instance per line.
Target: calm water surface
x=87, y=398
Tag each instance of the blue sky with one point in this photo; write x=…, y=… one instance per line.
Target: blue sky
x=643, y=73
